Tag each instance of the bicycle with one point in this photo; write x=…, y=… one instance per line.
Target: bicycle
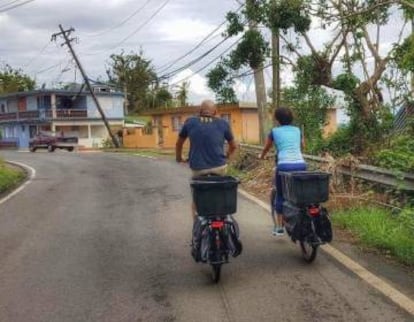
x=215, y=233
x=305, y=220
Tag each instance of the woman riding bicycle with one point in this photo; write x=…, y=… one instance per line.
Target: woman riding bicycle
x=288, y=142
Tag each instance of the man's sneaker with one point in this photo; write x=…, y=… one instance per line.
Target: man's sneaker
x=278, y=231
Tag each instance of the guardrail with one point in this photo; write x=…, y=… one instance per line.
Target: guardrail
x=398, y=180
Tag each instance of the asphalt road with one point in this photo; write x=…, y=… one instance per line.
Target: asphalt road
x=104, y=237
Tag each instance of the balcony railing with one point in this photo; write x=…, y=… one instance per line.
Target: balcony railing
x=8, y=116
x=44, y=114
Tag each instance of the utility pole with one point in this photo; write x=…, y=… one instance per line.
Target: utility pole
x=66, y=34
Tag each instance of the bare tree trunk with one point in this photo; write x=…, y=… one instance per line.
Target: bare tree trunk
x=261, y=101
x=261, y=97
x=412, y=73
x=276, y=69
x=125, y=99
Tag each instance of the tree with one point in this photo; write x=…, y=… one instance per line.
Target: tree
x=356, y=27
x=310, y=108
x=159, y=97
x=182, y=93
x=253, y=50
x=134, y=74
x=14, y=80
x=221, y=84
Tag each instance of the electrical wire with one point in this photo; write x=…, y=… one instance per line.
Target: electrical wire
x=206, y=65
x=15, y=6
x=143, y=24
x=120, y=24
x=167, y=66
x=48, y=68
x=38, y=55
x=194, y=61
x=8, y=4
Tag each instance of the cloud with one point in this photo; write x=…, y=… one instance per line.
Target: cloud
x=198, y=85
x=25, y=34
x=184, y=30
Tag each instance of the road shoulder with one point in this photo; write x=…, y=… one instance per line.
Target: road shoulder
x=392, y=280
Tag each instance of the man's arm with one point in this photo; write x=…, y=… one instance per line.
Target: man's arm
x=232, y=148
x=179, y=149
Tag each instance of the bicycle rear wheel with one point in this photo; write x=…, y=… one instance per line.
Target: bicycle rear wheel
x=216, y=272
x=309, y=251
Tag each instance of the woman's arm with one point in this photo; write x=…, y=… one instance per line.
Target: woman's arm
x=266, y=148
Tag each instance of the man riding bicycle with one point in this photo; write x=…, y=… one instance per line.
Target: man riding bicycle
x=207, y=134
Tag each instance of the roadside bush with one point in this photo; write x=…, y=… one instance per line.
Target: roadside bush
x=339, y=143
x=398, y=156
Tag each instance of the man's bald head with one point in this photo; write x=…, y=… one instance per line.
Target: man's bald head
x=208, y=108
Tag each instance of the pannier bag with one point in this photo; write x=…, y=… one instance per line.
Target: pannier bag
x=323, y=226
x=201, y=239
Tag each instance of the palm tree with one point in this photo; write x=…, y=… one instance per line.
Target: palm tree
x=182, y=93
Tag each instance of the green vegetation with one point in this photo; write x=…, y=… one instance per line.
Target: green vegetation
x=398, y=156
x=379, y=228
x=9, y=177
x=134, y=118
x=14, y=80
x=134, y=74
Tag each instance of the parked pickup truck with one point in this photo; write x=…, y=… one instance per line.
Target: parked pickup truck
x=53, y=141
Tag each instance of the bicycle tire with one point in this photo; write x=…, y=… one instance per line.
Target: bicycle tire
x=308, y=255
x=216, y=272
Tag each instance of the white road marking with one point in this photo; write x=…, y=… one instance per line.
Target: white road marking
x=386, y=289
x=145, y=156
x=32, y=174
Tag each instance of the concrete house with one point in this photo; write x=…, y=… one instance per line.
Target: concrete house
x=71, y=112
x=166, y=124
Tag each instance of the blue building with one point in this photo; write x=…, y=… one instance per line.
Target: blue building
x=71, y=112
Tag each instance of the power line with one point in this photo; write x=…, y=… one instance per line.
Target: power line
x=194, y=61
x=143, y=24
x=167, y=66
x=38, y=55
x=122, y=22
x=208, y=64
x=248, y=73
x=16, y=6
x=8, y=4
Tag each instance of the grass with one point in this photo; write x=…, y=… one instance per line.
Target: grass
x=9, y=177
x=378, y=228
x=132, y=118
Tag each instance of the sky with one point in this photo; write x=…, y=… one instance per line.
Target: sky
x=163, y=29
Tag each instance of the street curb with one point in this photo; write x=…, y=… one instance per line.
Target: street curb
x=31, y=175
x=374, y=281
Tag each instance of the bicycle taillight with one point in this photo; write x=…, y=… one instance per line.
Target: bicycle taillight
x=314, y=211
x=217, y=224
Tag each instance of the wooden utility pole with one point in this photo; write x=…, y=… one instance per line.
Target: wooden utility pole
x=65, y=34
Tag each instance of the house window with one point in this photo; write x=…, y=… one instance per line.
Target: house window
x=176, y=123
x=3, y=108
x=226, y=117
